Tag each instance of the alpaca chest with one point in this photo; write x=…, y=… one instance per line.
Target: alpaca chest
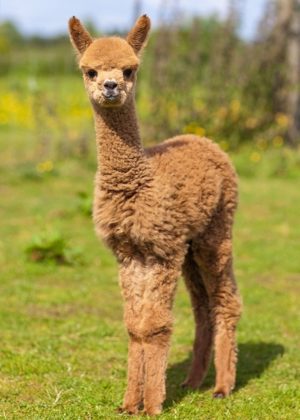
x=131, y=227
x=112, y=215
x=116, y=217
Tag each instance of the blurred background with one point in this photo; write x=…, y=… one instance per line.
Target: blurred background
x=229, y=70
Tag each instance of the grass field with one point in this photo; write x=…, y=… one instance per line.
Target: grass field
x=63, y=344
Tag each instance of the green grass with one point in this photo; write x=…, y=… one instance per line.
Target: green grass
x=63, y=345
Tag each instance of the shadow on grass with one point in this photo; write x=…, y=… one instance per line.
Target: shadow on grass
x=254, y=359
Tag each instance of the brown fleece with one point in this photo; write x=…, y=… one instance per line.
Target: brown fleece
x=163, y=211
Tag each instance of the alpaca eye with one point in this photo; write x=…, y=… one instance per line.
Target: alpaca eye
x=91, y=74
x=127, y=73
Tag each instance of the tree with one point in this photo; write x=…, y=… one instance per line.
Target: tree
x=288, y=27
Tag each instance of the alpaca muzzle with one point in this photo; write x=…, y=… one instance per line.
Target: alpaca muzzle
x=110, y=91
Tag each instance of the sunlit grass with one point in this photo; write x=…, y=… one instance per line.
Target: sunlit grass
x=63, y=344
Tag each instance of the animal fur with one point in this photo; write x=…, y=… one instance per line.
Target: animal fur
x=163, y=211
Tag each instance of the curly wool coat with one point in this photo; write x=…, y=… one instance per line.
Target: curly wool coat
x=163, y=211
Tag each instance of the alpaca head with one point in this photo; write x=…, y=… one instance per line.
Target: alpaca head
x=109, y=65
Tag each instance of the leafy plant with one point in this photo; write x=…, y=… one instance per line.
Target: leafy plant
x=85, y=203
x=51, y=246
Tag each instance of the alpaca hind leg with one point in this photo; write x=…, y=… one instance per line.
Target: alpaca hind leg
x=226, y=313
x=215, y=258
x=213, y=253
x=203, y=330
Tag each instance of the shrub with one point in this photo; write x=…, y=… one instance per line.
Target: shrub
x=51, y=246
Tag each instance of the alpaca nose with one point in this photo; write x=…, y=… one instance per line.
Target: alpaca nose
x=110, y=84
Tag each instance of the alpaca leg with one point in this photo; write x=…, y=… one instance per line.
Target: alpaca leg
x=213, y=253
x=215, y=258
x=156, y=352
x=135, y=377
x=226, y=313
x=148, y=294
x=203, y=331
x=155, y=328
x=132, y=287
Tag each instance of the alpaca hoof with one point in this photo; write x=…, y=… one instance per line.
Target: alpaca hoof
x=187, y=384
x=152, y=411
x=127, y=410
x=223, y=391
x=219, y=395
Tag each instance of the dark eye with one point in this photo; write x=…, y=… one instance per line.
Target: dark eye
x=127, y=73
x=91, y=74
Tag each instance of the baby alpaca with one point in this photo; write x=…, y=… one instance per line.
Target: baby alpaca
x=163, y=211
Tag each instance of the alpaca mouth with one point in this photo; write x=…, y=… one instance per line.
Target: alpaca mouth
x=111, y=97
x=103, y=98
x=111, y=94
x=108, y=99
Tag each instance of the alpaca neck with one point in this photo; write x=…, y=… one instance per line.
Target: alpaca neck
x=122, y=164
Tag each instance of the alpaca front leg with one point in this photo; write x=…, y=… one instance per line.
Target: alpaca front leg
x=155, y=328
x=135, y=377
x=131, y=282
x=148, y=291
x=155, y=353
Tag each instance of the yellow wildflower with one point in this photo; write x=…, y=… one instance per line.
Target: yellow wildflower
x=255, y=157
x=251, y=122
x=200, y=131
x=262, y=144
x=277, y=141
x=46, y=166
x=193, y=128
x=282, y=120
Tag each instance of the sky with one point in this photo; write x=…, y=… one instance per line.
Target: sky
x=49, y=18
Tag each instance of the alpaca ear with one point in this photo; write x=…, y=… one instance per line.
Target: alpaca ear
x=80, y=37
x=137, y=36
